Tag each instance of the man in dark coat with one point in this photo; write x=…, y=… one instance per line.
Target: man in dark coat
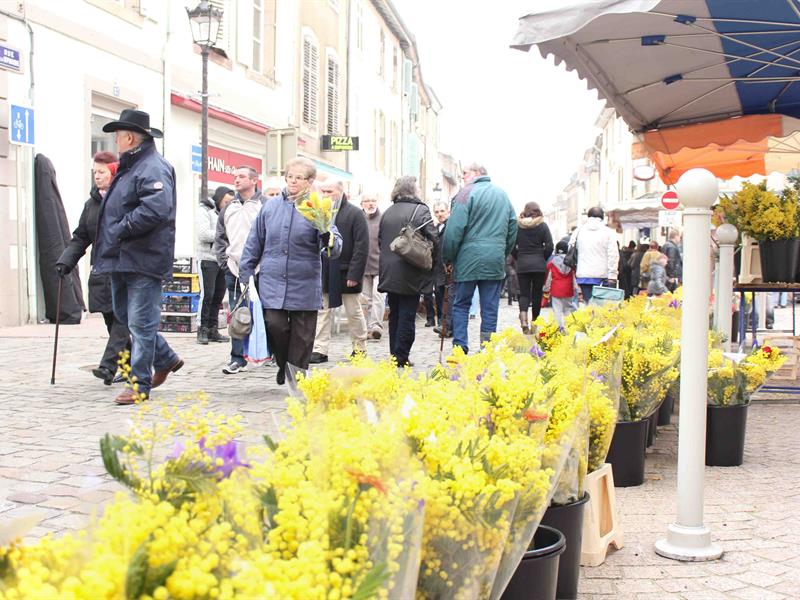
x=103, y=171
x=136, y=245
x=674, y=260
x=441, y=212
x=342, y=277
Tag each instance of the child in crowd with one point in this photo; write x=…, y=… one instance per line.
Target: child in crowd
x=658, y=276
x=560, y=285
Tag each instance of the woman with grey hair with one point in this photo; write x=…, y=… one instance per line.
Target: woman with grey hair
x=402, y=281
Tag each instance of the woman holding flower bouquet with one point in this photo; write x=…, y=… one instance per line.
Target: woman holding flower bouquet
x=286, y=243
x=403, y=281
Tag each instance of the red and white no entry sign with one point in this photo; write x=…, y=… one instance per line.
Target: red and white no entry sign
x=670, y=200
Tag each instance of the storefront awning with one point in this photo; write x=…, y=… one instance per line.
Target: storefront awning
x=663, y=64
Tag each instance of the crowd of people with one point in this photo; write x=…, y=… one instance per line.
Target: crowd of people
x=369, y=263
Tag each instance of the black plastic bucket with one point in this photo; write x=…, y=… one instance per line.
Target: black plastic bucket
x=779, y=260
x=568, y=519
x=626, y=453
x=725, y=433
x=536, y=577
x=665, y=411
x=651, y=428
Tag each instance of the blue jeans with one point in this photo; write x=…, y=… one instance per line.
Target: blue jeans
x=402, y=325
x=137, y=305
x=489, y=293
x=237, y=346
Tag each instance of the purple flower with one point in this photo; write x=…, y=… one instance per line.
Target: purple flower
x=454, y=377
x=479, y=376
x=674, y=303
x=228, y=452
x=536, y=351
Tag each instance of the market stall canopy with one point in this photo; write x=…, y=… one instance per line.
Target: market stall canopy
x=663, y=64
x=743, y=146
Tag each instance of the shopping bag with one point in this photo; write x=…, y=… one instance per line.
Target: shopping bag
x=603, y=295
x=256, y=348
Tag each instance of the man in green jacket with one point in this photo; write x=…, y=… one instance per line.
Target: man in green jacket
x=480, y=234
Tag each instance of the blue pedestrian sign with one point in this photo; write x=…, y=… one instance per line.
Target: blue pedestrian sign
x=21, y=128
x=197, y=159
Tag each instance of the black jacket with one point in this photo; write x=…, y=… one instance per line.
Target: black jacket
x=675, y=260
x=396, y=275
x=635, y=263
x=534, y=247
x=136, y=233
x=352, y=225
x=84, y=236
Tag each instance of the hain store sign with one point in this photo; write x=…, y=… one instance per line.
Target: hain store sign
x=222, y=163
x=339, y=143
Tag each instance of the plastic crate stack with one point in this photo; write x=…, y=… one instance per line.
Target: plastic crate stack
x=180, y=298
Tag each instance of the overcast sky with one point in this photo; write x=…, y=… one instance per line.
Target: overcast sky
x=527, y=120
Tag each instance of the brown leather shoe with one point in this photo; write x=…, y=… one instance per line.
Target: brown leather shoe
x=127, y=397
x=160, y=377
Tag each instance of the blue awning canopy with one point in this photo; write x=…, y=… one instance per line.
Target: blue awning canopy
x=665, y=63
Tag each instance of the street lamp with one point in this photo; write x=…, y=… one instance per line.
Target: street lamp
x=204, y=20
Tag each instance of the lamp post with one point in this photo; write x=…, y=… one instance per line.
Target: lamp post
x=688, y=538
x=204, y=20
x=727, y=235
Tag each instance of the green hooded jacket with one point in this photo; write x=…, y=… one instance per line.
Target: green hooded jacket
x=480, y=232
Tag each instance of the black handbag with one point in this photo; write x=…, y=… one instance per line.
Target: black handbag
x=571, y=257
x=412, y=246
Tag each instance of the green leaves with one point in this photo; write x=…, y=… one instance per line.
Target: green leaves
x=372, y=582
x=184, y=479
x=141, y=579
x=110, y=449
x=271, y=444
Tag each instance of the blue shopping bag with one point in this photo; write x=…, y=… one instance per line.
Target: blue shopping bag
x=256, y=348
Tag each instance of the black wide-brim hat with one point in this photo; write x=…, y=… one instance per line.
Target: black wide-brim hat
x=133, y=120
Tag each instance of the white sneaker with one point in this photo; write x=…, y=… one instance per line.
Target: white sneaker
x=233, y=368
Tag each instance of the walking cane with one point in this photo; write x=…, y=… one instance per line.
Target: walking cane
x=58, y=322
x=443, y=328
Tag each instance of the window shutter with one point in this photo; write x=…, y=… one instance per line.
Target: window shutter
x=224, y=35
x=332, y=126
x=310, y=82
x=244, y=33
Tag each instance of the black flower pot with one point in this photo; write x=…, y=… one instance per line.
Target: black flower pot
x=665, y=411
x=779, y=260
x=725, y=431
x=626, y=453
x=568, y=519
x=651, y=428
x=536, y=577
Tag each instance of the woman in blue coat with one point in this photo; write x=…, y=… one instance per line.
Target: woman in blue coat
x=286, y=248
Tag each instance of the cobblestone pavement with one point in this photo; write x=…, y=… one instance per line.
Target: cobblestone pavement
x=50, y=464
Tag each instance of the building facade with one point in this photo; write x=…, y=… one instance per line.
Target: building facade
x=277, y=66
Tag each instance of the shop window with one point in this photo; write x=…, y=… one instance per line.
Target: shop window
x=332, y=124
x=310, y=82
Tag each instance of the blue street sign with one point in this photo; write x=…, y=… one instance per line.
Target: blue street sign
x=197, y=159
x=21, y=125
x=10, y=58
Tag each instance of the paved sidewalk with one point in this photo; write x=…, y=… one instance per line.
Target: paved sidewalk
x=49, y=462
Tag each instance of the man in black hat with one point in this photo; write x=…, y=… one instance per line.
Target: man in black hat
x=136, y=244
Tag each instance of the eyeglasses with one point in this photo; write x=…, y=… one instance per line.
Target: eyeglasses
x=295, y=178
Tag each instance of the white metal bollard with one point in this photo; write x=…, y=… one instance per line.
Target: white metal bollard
x=688, y=539
x=727, y=235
